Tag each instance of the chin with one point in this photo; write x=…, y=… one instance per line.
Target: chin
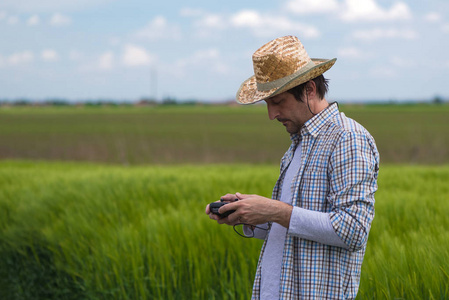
x=293, y=130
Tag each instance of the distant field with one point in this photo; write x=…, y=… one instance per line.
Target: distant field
x=90, y=231
x=417, y=134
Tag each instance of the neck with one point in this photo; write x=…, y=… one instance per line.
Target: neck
x=321, y=105
x=317, y=105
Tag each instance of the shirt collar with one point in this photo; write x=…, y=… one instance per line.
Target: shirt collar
x=314, y=124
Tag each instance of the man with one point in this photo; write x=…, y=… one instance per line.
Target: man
x=316, y=234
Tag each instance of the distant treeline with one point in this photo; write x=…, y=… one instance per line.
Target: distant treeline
x=174, y=101
x=101, y=102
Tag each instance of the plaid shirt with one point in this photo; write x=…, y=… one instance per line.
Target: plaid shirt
x=338, y=175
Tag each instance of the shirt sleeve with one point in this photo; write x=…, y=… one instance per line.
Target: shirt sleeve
x=353, y=182
x=315, y=226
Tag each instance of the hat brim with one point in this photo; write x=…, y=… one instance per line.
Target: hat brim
x=249, y=94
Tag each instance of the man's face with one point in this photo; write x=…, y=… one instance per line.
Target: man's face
x=289, y=111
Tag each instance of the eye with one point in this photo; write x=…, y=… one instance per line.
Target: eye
x=277, y=101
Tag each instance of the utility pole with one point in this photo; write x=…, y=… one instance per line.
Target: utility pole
x=153, y=83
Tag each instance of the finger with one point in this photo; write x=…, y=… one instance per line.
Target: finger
x=224, y=220
x=228, y=198
x=234, y=219
x=208, y=208
x=214, y=217
x=229, y=206
x=241, y=196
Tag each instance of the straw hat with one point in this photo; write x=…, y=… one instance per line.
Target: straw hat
x=279, y=66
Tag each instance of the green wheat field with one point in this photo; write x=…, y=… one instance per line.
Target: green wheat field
x=108, y=202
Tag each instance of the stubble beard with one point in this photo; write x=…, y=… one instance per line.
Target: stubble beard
x=290, y=126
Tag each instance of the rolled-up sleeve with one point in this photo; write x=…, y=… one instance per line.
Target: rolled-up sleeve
x=315, y=226
x=259, y=232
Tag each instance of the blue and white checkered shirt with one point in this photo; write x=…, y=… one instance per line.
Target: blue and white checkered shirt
x=338, y=176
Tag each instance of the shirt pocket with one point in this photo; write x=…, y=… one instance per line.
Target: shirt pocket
x=314, y=189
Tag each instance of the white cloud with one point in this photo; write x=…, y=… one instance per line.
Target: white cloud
x=60, y=20
x=351, y=10
x=2, y=15
x=205, y=23
x=402, y=62
x=383, y=72
x=114, y=41
x=312, y=6
x=203, y=58
x=378, y=33
x=34, y=20
x=369, y=10
x=106, y=61
x=352, y=52
x=433, y=17
x=191, y=12
x=12, y=20
x=269, y=25
x=159, y=28
x=199, y=57
x=211, y=21
x=259, y=24
x=445, y=28
x=134, y=56
x=247, y=18
x=19, y=58
x=49, y=6
x=49, y=55
x=75, y=55
x=16, y=59
x=263, y=25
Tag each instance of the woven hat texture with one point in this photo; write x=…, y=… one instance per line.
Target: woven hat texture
x=279, y=66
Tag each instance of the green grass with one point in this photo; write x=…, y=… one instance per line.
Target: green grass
x=408, y=251
x=122, y=233
x=90, y=231
x=417, y=134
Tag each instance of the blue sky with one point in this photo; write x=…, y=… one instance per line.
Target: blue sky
x=126, y=50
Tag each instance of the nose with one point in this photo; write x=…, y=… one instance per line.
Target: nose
x=273, y=113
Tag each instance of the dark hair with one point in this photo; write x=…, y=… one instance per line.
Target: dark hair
x=321, y=88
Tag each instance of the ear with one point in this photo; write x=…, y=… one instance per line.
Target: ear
x=311, y=88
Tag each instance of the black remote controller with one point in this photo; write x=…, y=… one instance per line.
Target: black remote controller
x=214, y=206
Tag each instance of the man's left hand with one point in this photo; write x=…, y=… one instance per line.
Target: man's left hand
x=255, y=209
